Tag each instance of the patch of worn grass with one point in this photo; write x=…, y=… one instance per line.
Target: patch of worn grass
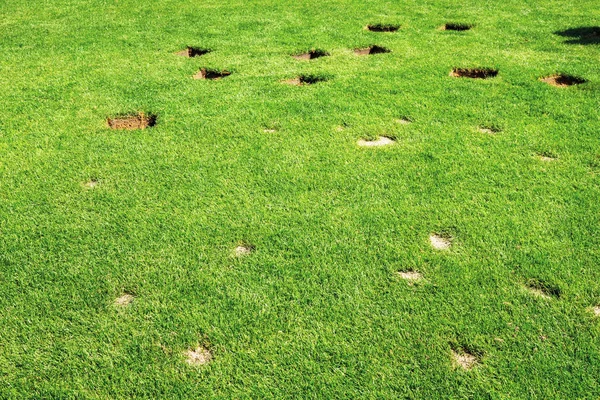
x=318, y=310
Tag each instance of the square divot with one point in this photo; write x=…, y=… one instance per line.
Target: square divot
x=132, y=122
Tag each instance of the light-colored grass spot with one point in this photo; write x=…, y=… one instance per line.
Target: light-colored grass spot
x=411, y=276
x=379, y=142
x=198, y=356
x=124, y=300
x=464, y=359
x=440, y=242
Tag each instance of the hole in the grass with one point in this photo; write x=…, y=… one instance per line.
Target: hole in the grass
x=92, y=183
x=452, y=26
x=440, y=241
x=193, y=52
x=305, y=80
x=269, y=130
x=411, y=275
x=244, y=249
x=382, y=27
x=547, y=156
x=562, y=80
x=464, y=359
x=581, y=35
x=404, y=121
x=371, y=50
x=311, y=55
x=490, y=130
x=596, y=311
x=124, y=300
x=198, y=356
x=139, y=121
x=211, y=74
x=474, y=73
x=542, y=289
x=379, y=142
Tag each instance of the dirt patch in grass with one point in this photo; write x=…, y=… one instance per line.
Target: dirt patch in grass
x=193, y=52
x=596, y=311
x=211, y=74
x=542, y=289
x=562, y=80
x=382, y=27
x=474, y=73
x=411, y=276
x=91, y=184
x=244, y=249
x=371, y=50
x=440, y=241
x=311, y=55
x=124, y=300
x=490, y=130
x=581, y=35
x=198, y=356
x=131, y=122
x=404, y=121
x=379, y=142
x=462, y=358
x=547, y=156
x=303, y=80
x=452, y=26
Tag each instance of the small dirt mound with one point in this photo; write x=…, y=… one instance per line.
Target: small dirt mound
x=124, y=300
x=440, y=241
x=211, y=74
x=130, y=122
x=371, y=50
x=542, y=289
x=411, y=275
x=464, y=359
x=193, y=52
x=561, y=80
x=451, y=26
x=311, y=55
x=474, y=73
x=379, y=142
x=382, y=27
x=305, y=80
x=198, y=356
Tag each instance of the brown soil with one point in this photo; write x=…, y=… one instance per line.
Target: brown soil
x=371, y=50
x=193, y=52
x=455, y=27
x=382, y=28
x=311, y=55
x=464, y=359
x=130, y=122
x=475, y=73
x=305, y=80
x=560, y=80
x=211, y=74
x=199, y=356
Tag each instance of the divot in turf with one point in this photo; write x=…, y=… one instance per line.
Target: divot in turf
x=243, y=249
x=440, y=241
x=381, y=141
x=474, y=73
x=311, y=55
x=303, y=80
x=91, y=184
x=411, y=276
x=382, y=27
x=211, y=74
x=191, y=52
x=124, y=300
x=451, y=26
x=463, y=359
x=132, y=122
x=542, y=289
x=199, y=356
x=562, y=80
x=371, y=50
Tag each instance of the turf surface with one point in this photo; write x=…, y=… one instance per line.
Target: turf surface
x=317, y=309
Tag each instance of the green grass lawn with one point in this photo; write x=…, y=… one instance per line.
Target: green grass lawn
x=316, y=307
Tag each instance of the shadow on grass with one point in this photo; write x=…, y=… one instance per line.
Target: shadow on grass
x=581, y=35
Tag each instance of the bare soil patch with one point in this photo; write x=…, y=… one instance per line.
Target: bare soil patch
x=452, y=26
x=371, y=50
x=379, y=142
x=562, y=80
x=131, y=122
x=193, y=52
x=198, y=356
x=411, y=276
x=311, y=55
x=596, y=311
x=404, y=121
x=474, y=73
x=547, y=156
x=382, y=27
x=440, y=241
x=542, y=289
x=490, y=130
x=211, y=74
x=305, y=80
x=464, y=359
x=124, y=300
x=91, y=184
x=243, y=249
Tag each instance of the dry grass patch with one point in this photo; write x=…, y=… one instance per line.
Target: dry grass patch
x=193, y=52
x=379, y=142
x=131, y=122
x=211, y=74
x=371, y=50
x=562, y=81
x=198, y=356
x=474, y=73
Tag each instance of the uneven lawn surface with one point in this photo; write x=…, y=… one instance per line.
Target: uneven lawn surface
x=245, y=246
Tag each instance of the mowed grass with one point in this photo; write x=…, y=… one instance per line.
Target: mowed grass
x=108, y=287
